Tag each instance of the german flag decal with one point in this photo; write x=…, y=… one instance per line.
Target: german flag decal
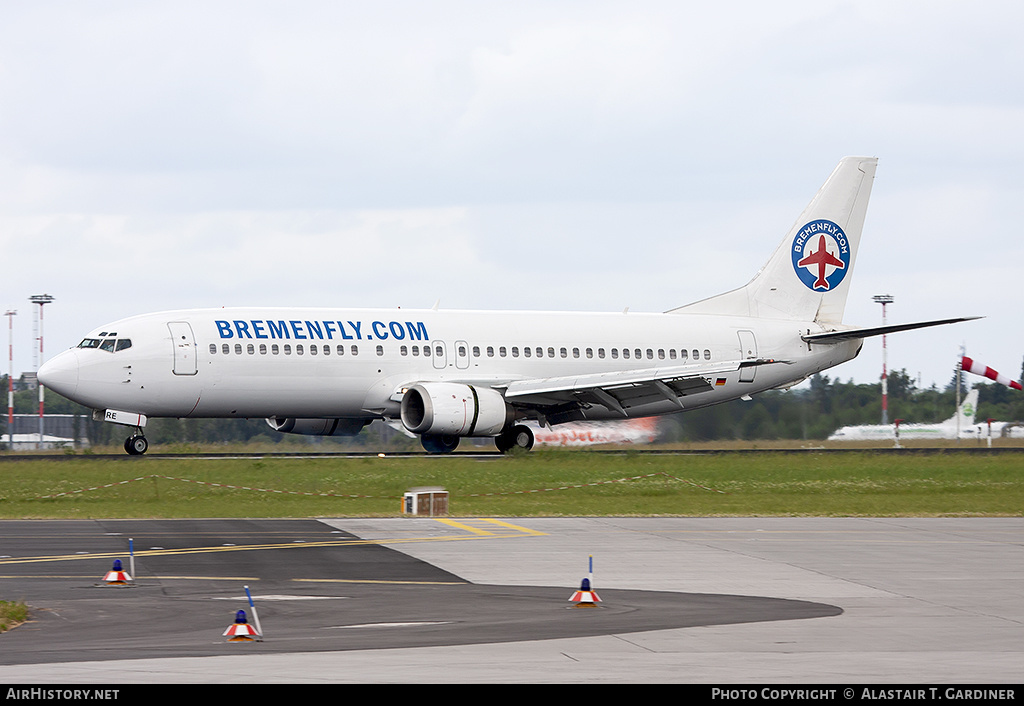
x=719, y=382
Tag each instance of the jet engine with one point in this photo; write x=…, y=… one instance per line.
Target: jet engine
x=318, y=427
x=454, y=409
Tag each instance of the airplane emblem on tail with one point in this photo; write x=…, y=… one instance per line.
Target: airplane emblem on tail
x=824, y=268
x=822, y=258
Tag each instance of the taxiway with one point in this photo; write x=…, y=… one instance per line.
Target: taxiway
x=711, y=600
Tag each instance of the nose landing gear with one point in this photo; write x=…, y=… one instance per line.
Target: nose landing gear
x=136, y=444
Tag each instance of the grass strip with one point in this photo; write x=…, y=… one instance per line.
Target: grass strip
x=544, y=483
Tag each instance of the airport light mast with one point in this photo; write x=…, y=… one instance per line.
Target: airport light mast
x=41, y=300
x=10, y=314
x=884, y=299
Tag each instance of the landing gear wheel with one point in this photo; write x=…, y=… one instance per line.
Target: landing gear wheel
x=517, y=437
x=136, y=445
x=439, y=443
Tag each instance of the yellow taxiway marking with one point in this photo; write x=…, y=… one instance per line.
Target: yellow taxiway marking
x=524, y=530
x=464, y=524
x=411, y=583
x=137, y=580
x=474, y=533
x=467, y=528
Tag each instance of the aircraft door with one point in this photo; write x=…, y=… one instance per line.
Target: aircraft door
x=184, y=342
x=461, y=355
x=748, y=351
x=440, y=355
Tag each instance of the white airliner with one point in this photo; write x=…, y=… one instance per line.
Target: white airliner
x=453, y=374
x=962, y=422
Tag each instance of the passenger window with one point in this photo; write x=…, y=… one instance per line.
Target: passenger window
x=490, y=351
x=327, y=349
x=696, y=354
x=527, y=352
x=355, y=349
x=625, y=353
x=263, y=349
x=225, y=349
x=661, y=354
x=213, y=349
x=287, y=349
x=238, y=349
x=312, y=350
x=615, y=353
x=501, y=351
x=590, y=352
x=551, y=352
x=250, y=349
x=515, y=351
x=403, y=350
x=564, y=353
x=380, y=349
x=600, y=352
x=476, y=351
x=341, y=349
x=299, y=349
x=672, y=353
x=540, y=352
x=707, y=354
x=683, y=354
x=275, y=349
x=650, y=354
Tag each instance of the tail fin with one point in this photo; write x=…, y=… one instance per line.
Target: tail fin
x=808, y=276
x=968, y=408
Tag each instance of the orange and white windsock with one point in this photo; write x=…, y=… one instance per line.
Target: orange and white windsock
x=973, y=366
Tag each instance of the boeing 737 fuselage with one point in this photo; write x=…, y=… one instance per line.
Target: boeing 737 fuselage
x=453, y=374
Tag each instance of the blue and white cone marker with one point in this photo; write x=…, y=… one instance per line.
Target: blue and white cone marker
x=585, y=597
x=240, y=630
x=117, y=576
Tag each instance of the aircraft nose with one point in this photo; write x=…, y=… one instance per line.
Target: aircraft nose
x=60, y=373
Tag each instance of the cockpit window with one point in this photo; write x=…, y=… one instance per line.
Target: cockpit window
x=111, y=345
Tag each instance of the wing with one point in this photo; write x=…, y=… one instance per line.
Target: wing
x=564, y=399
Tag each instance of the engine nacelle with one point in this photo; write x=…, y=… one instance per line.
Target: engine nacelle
x=318, y=427
x=455, y=409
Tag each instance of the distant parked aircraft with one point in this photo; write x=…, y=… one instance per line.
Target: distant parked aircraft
x=631, y=431
x=942, y=430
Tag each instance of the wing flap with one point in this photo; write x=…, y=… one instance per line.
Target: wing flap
x=618, y=391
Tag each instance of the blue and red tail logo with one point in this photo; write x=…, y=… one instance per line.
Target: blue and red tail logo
x=821, y=255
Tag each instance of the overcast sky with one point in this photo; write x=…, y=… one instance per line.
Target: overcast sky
x=530, y=155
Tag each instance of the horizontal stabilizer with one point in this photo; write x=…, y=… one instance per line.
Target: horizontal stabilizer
x=850, y=334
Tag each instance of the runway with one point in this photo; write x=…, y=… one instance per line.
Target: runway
x=701, y=600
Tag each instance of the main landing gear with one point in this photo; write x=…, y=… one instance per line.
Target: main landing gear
x=517, y=437
x=136, y=444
